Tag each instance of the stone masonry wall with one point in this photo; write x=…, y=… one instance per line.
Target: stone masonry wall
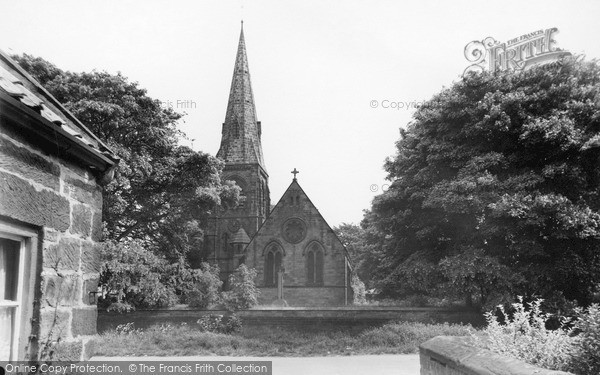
x=340, y=317
x=306, y=296
x=296, y=205
x=65, y=202
x=445, y=355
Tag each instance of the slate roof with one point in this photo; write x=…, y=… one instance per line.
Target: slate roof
x=241, y=136
x=28, y=94
x=240, y=237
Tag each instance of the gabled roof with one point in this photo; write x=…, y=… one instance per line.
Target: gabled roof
x=295, y=186
x=26, y=103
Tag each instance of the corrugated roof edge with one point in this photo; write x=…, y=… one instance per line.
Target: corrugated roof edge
x=50, y=98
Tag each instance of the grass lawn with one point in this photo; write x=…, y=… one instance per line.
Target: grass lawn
x=392, y=338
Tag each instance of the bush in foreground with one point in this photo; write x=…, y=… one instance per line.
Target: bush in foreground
x=524, y=336
x=574, y=346
x=586, y=359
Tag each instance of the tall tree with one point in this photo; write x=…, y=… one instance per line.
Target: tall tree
x=364, y=256
x=495, y=188
x=162, y=192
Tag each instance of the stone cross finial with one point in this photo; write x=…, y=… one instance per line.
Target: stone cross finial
x=295, y=172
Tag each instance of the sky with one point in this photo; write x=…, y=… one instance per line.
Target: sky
x=333, y=82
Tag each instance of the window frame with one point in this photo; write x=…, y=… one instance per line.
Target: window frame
x=315, y=255
x=273, y=251
x=26, y=278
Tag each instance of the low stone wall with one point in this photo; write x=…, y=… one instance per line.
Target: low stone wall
x=306, y=296
x=446, y=355
x=355, y=317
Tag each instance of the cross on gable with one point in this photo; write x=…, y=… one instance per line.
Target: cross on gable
x=295, y=172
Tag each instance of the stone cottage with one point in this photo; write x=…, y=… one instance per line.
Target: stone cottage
x=51, y=172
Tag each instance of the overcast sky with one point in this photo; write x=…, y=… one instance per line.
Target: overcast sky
x=316, y=67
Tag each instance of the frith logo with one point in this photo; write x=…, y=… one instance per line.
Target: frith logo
x=519, y=53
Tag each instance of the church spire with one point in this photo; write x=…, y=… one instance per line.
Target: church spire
x=240, y=139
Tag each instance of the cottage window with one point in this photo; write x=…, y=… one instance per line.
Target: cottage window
x=16, y=245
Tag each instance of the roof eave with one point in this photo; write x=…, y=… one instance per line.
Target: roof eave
x=42, y=132
x=50, y=98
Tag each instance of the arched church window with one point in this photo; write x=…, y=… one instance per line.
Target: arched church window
x=314, y=265
x=292, y=200
x=297, y=199
x=272, y=265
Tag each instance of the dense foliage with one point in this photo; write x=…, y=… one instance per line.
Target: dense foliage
x=162, y=192
x=358, y=291
x=203, y=287
x=156, y=208
x=243, y=293
x=524, y=336
x=495, y=190
x=522, y=332
x=136, y=276
x=364, y=255
x=586, y=359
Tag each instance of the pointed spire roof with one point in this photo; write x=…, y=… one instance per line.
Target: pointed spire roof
x=240, y=140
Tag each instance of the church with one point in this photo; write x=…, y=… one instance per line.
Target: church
x=299, y=259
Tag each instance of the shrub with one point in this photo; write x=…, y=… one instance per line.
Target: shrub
x=220, y=324
x=205, y=286
x=120, y=307
x=524, y=336
x=136, y=275
x=586, y=356
x=244, y=293
x=210, y=323
x=477, y=277
x=231, y=324
x=126, y=329
x=358, y=290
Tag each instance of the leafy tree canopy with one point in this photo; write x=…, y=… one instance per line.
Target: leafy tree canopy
x=495, y=189
x=162, y=192
x=364, y=256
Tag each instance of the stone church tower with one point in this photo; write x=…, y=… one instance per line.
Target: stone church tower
x=299, y=259
x=241, y=150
